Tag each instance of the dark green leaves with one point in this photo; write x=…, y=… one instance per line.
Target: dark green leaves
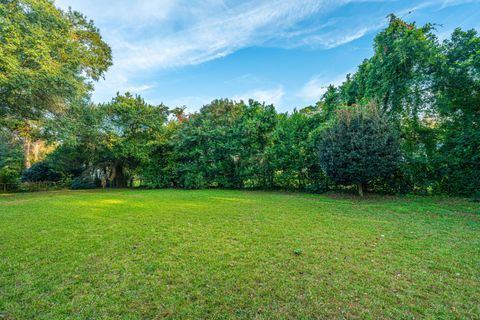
x=360, y=147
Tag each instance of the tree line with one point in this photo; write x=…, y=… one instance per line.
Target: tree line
x=407, y=121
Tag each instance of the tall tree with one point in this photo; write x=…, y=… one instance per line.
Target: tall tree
x=131, y=126
x=113, y=142
x=48, y=58
x=225, y=145
x=400, y=79
x=457, y=85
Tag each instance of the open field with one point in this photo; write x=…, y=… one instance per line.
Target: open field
x=231, y=254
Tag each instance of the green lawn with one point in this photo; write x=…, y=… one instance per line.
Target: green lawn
x=232, y=254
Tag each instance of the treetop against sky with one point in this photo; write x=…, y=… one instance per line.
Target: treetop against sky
x=283, y=52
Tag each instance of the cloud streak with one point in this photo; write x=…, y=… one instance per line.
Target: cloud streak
x=317, y=86
x=150, y=36
x=219, y=35
x=161, y=34
x=269, y=96
x=169, y=34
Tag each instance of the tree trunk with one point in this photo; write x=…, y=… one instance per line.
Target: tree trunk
x=360, y=189
x=121, y=181
x=27, y=147
x=38, y=150
x=112, y=176
x=117, y=177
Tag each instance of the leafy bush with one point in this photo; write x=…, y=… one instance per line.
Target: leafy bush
x=192, y=180
x=476, y=196
x=41, y=171
x=84, y=183
x=360, y=147
x=10, y=174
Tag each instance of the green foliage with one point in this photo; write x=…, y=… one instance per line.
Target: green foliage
x=160, y=171
x=11, y=159
x=41, y=172
x=430, y=91
x=84, y=182
x=399, y=74
x=425, y=90
x=398, y=79
x=476, y=196
x=113, y=142
x=224, y=145
x=293, y=152
x=227, y=144
x=47, y=57
x=360, y=146
x=458, y=90
x=131, y=128
x=81, y=136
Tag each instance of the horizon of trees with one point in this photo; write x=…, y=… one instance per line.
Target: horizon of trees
x=407, y=121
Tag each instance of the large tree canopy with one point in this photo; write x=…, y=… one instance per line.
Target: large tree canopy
x=112, y=141
x=47, y=58
x=430, y=91
x=225, y=145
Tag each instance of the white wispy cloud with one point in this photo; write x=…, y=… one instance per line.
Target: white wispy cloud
x=173, y=33
x=332, y=39
x=169, y=33
x=152, y=35
x=137, y=12
x=218, y=35
x=449, y=3
x=269, y=96
x=314, y=89
x=140, y=88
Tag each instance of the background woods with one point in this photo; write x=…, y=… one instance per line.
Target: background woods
x=406, y=121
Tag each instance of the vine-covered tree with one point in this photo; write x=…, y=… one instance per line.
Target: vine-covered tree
x=224, y=145
x=359, y=147
x=457, y=85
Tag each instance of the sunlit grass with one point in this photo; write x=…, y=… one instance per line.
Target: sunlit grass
x=232, y=254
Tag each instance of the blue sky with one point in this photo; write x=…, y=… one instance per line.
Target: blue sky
x=188, y=52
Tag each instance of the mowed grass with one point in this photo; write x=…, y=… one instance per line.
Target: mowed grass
x=214, y=254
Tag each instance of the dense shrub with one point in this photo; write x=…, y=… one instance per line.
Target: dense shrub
x=41, y=171
x=360, y=147
x=84, y=183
